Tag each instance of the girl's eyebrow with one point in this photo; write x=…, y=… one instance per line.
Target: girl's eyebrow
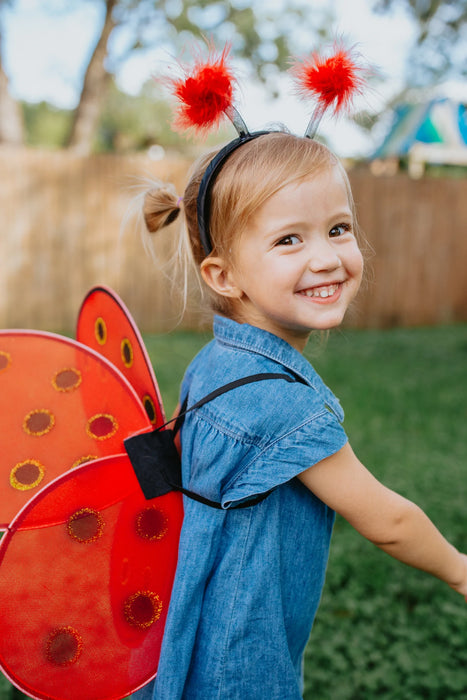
x=342, y=213
x=301, y=224
x=344, y=216
x=281, y=228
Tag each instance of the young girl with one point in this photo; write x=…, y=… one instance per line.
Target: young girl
x=277, y=249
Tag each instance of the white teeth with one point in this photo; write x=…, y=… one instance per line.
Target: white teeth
x=322, y=292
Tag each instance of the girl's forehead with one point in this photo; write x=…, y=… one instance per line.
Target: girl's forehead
x=329, y=173
x=325, y=187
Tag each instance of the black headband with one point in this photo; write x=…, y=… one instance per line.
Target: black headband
x=212, y=171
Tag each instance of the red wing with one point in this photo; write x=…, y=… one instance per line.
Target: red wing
x=106, y=325
x=86, y=572
x=61, y=404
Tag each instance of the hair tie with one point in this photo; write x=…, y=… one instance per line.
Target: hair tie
x=179, y=201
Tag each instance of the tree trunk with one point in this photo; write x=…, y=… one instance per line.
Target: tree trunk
x=95, y=84
x=11, y=116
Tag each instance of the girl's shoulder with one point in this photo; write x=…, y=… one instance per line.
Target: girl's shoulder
x=261, y=410
x=230, y=443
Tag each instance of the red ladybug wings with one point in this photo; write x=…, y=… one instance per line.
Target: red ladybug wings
x=86, y=563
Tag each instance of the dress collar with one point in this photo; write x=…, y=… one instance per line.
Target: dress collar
x=247, y=337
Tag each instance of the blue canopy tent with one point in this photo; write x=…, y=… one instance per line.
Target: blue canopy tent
x=432, y=132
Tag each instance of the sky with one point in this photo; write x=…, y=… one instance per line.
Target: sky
x=45, y=57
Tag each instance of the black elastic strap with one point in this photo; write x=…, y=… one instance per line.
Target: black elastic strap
x=155, y=459
x=222, y=390
x=215, y=504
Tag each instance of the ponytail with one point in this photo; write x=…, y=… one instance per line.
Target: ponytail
x=161, y=207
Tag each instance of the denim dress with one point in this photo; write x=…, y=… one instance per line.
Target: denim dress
x=249, y=580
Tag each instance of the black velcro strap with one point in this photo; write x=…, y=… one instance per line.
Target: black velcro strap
x=155, y=461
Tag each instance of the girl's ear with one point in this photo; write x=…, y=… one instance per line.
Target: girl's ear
x=220, y=278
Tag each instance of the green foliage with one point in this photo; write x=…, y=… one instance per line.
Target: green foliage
x=8, y=692
x=5, y=688
x=170, y=355
x=265, y=34
x=439, y=50
x=45, y=125
x=134, y=123
x=127, y=124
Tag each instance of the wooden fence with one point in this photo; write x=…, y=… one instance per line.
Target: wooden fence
x=61, y=232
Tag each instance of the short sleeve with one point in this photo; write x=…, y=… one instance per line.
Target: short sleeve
x=257, y=437
x=285, y=458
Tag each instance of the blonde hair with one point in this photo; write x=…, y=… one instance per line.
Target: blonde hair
x=251, y=174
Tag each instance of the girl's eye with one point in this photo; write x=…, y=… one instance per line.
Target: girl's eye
x=289, y=240
x=340, y=230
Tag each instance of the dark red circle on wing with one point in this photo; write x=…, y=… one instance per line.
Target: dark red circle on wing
x=64, y=646
x=151, y=524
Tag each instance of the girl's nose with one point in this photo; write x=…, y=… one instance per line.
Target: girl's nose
x=323, y=256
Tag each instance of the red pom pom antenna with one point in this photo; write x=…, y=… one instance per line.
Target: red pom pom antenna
x=205, y=93
x=333, y=81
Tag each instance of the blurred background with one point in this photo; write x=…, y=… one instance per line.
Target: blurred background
x=84, y=120
x=85, y=123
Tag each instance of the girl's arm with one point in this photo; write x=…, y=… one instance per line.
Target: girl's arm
x=393, y=523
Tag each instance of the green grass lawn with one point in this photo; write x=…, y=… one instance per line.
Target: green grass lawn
x=383, y=630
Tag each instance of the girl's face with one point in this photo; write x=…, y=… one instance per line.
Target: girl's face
x=297, y=266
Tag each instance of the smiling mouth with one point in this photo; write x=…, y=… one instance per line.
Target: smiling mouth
x=321, y=292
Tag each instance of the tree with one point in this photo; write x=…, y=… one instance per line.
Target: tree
x=261, y=34
x=96, y=80
x=132, y=123
x=440, y=51
x=11, y=118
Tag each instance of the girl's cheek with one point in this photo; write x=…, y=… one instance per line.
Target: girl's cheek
x=358, y=260
x=362, y=264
